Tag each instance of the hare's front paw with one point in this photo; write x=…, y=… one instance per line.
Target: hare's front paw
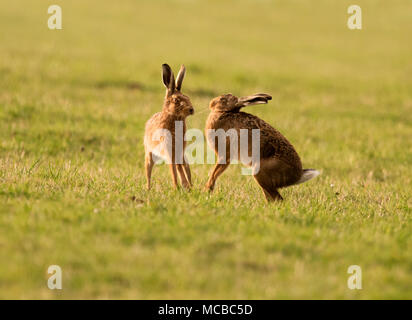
x=186, y=185
x=209, y=187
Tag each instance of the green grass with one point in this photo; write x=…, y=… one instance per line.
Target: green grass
x=73, y=104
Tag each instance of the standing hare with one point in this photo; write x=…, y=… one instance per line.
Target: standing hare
x=279, y=163
x=171, y=120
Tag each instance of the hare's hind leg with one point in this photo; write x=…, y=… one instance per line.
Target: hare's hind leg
x=274, y=174
x=148, y=166
x=269, y=190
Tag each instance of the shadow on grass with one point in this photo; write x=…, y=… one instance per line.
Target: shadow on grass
x=121, y=84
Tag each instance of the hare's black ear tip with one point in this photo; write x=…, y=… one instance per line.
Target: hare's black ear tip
x=165, y=65
x=269, y=97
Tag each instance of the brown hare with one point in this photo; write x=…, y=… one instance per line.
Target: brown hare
x=171, y=123
x=279, y=163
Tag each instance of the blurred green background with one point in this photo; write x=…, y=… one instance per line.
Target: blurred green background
x=73, y=104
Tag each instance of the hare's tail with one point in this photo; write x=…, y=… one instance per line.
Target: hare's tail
x=307, y=175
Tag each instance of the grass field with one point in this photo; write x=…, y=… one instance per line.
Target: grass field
x=73, y=104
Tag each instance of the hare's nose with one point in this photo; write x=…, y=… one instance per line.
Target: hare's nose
x=191, y=111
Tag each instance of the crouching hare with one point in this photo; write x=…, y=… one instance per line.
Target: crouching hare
x=160, y=139
x=279, y=163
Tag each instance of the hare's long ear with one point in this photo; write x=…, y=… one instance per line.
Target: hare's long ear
x=168, y=79
x=180, y=77
x=259, y=98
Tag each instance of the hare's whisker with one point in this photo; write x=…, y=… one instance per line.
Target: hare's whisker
x=202, y=110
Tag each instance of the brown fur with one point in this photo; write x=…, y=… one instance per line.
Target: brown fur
x=176, y=107
x=280, y=165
